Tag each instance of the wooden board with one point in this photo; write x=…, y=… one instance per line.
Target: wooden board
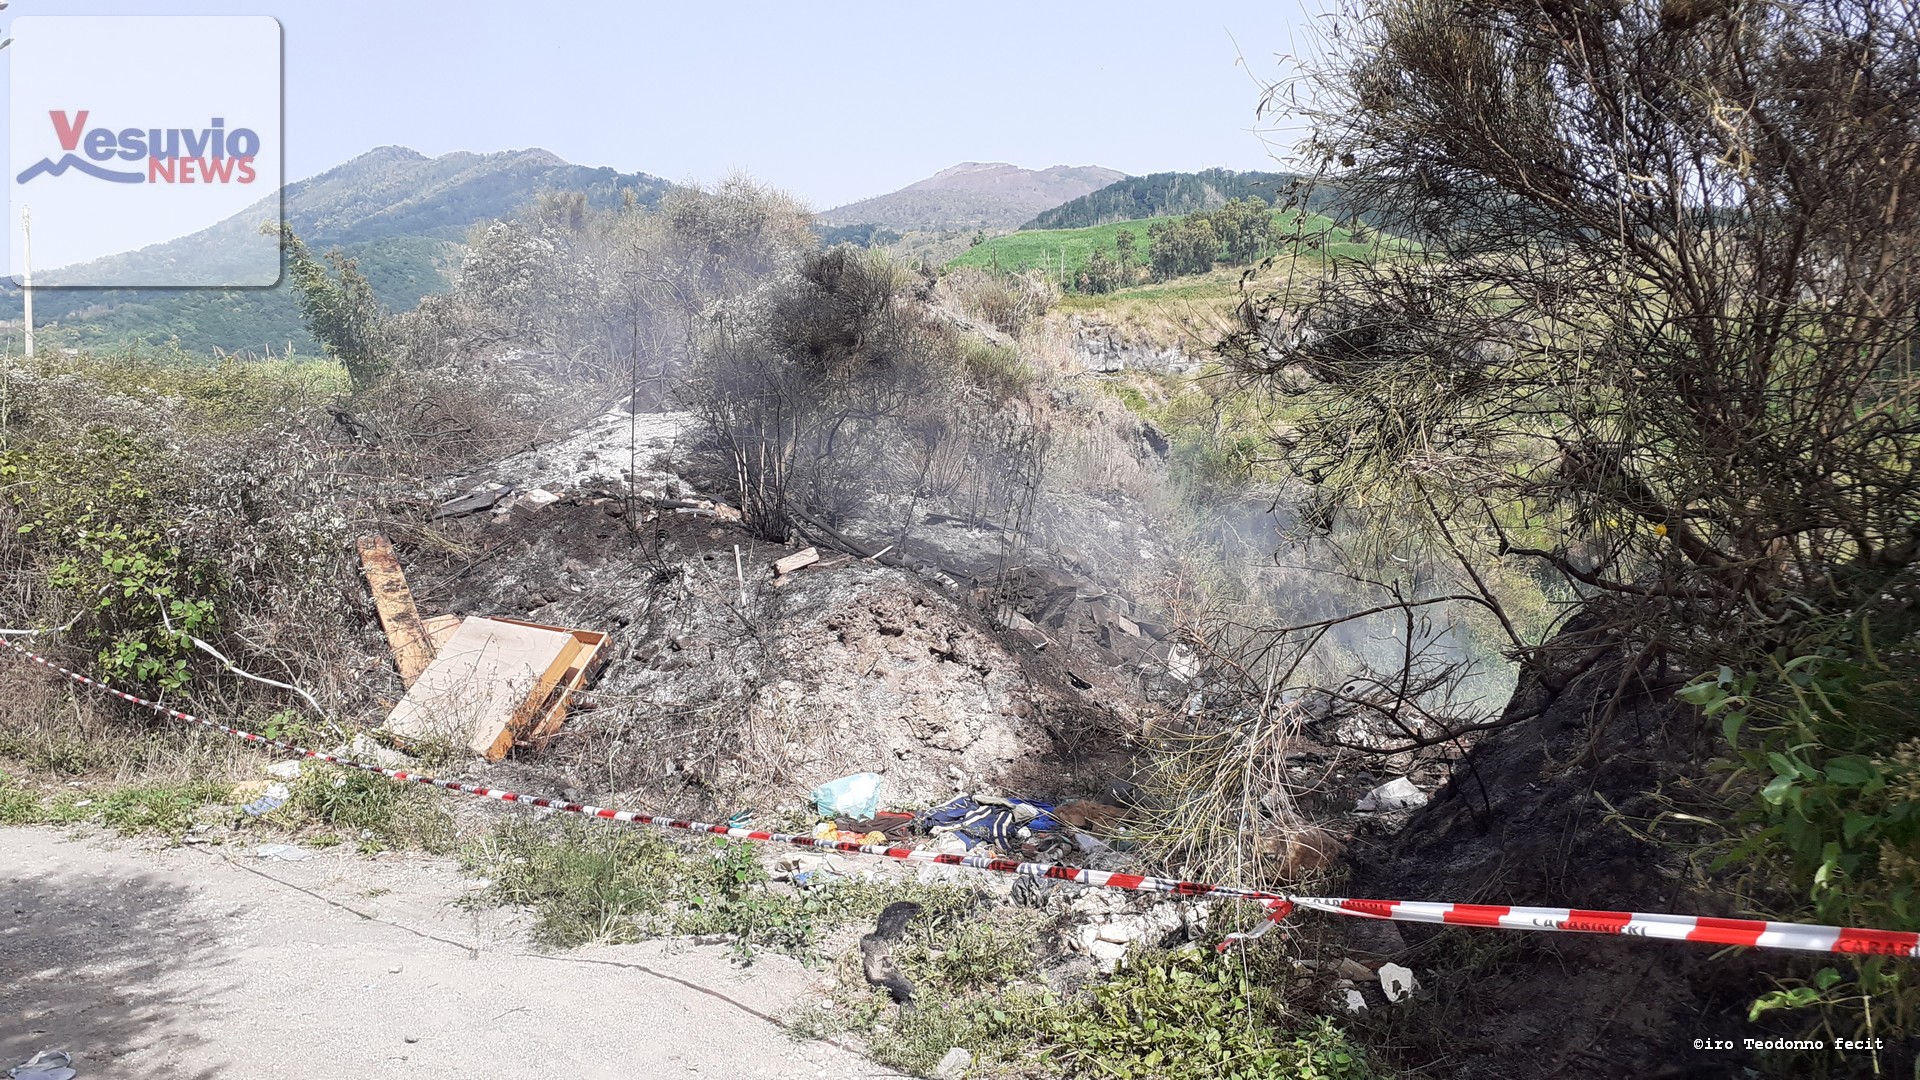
x=581, y=663
x=406, y=637
x=803, y=557
x=490, y=683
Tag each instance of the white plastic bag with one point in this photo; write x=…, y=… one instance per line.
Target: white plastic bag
x=856, y=796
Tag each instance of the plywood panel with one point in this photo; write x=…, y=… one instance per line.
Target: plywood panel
x=440, y=629
x=485, y=685
x=580, y=665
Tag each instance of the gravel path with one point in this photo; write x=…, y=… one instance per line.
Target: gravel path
x=145, y=961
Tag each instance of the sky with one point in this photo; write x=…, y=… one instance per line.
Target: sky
x=830, y=101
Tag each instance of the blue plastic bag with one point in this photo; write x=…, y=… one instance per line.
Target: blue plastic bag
x=856, y=796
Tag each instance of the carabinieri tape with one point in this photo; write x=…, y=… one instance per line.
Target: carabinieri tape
x=1716, y=931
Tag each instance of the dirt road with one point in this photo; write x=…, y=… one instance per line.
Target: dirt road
x=150, y=962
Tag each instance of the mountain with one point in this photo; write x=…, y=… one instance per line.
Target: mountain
x=1168, y=194
x=973, y=195
x=401, y=213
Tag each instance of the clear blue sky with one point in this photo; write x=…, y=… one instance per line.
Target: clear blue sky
x=831, y=101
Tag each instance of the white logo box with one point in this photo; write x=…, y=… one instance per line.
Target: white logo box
x=146, y=149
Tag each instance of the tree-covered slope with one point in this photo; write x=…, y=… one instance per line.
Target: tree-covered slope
x=1167, y=194
x=399, y=212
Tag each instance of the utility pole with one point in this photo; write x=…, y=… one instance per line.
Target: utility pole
x=26, y=272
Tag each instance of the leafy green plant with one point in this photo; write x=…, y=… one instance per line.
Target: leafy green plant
x=1189, y=1015
x=372, y=811
x=165, y=808
x=95, y=513
x=1823, y=748
x=338, y=306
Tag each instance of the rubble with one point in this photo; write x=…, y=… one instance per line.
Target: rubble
x=532, y=501
x=473, y=501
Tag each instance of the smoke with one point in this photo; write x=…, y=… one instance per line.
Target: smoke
x=842, y=390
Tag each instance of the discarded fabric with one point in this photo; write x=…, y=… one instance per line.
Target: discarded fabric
x=45, y=1065
x=891, y=825
x=982, y=819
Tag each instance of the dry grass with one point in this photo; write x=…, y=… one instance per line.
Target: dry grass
x=51, y=735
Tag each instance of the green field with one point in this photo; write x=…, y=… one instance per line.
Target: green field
x=1063, y=252
x=1054, y=250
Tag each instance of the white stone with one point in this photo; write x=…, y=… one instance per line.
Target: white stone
x=284, y=770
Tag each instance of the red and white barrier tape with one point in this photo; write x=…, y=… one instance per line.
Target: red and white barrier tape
x=1705, y=929
x=1712, y=931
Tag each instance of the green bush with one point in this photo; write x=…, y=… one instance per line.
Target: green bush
x=1192, y=1015
x=1824, y=749
x=96, y=513
x=996, y=367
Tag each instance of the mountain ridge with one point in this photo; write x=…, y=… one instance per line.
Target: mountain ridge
x=972, y=195
x=398, y=210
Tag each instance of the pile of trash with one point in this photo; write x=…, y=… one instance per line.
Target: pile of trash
x=1027, y=828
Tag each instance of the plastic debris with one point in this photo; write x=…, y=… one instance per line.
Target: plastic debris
x=282, y=852
x=45, y=1065
x=273, y=799
x=1355, y=1003
x=856, y=796
x=954, y=1064
x=1398, y=982
x=1397, y=794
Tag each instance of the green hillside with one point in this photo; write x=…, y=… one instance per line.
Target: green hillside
x=401, y=269
x=1063, y=253
x=401, y=213
x=1168, y=194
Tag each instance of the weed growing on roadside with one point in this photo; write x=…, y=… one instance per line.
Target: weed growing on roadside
x=588, y=883
x=1188, y=1014
x=371, y=811
x=168, y=809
